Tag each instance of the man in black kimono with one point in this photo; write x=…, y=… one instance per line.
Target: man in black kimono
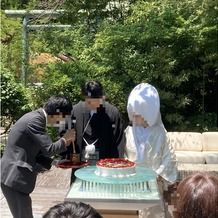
x=98, y=126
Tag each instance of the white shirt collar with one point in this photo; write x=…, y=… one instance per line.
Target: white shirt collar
x=92, y=112
x=45, y=115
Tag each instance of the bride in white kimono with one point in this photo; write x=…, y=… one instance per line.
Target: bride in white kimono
x=146, y=140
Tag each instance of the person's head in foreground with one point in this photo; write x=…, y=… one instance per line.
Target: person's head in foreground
x=143, y=106
x=197, y=197
x=72, y=210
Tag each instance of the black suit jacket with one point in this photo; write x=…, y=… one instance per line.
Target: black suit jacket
x=28, y=145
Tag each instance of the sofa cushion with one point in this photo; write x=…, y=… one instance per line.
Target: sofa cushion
x=188, y=169
x=185, y=141
x=195, y=157
x=211, y=157
x=210, y=141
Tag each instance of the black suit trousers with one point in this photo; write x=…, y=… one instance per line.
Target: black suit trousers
x=20, y=204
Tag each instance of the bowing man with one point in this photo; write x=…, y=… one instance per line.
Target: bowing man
x=28, y=147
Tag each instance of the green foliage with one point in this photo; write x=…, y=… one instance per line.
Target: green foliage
x=11, y=44
x=58, y=79
x=93, y=12
x=15, y=98
x=170, y=44
x=53, y=133
x=13, y=4
x=161, y=43
x=198, y=123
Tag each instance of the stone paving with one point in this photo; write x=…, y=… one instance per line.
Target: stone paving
x=51, y=188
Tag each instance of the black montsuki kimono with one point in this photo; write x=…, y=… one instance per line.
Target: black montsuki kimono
x=105, y=126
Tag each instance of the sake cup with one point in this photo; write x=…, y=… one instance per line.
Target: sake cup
x=75, y=158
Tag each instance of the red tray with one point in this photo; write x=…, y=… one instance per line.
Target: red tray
x=66, y=165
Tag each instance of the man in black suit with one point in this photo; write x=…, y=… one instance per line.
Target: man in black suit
x=29, y=146
x=98, y=126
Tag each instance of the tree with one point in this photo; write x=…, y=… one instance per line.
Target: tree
x=163, y=43
x=15, y=100
x=11, y=42
x=170, y=44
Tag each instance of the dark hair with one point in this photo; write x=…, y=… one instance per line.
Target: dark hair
x=197, y=196
x=72, y=210
x=58, y=104
x=92, y=89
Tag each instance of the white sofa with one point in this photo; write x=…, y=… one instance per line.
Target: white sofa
x=195, y=152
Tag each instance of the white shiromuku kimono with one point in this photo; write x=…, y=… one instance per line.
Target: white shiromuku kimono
x=154, y=152
x=149, y=146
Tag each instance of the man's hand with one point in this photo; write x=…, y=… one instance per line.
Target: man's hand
x=69, y=136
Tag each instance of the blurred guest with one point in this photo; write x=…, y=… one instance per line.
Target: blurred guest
x=197, y=197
